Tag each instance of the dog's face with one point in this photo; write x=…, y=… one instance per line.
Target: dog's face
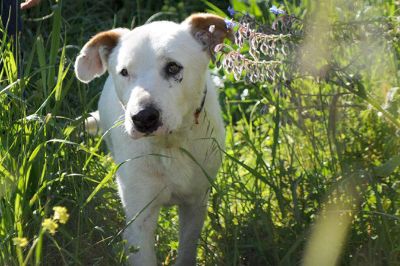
x=155, y=69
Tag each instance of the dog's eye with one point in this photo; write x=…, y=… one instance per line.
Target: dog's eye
x=124, y=72
x=172, y=68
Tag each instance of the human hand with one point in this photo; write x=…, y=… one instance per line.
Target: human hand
x=29, y=3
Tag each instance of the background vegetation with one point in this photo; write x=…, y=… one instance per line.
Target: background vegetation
x=321, y=149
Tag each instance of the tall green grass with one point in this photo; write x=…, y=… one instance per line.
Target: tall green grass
x=287, y=159
x=43, y=153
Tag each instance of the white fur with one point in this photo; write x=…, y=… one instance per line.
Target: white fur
x=156, y=170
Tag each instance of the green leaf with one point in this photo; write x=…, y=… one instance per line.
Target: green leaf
x=35, y=152
x=55, y=44
x=214, y=9
x=255, y=9
x=42, y=63
x=388, y=167
x=104, y=181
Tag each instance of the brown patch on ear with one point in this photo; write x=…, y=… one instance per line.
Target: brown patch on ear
x=200, y=24
x=108, y=39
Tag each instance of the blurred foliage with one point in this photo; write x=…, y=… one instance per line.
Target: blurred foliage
x=318, y=126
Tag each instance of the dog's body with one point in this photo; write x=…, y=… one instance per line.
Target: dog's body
x=168, y=147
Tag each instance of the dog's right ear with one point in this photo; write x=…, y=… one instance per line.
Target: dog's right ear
x=92, y=60
x=200, y=26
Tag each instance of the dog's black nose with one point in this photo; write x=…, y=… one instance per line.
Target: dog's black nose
x=146, y=120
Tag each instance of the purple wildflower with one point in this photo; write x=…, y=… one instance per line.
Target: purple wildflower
x=276, y=11
x=231, y=11
x=229, y=24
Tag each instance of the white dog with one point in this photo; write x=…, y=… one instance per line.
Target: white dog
x=168, y=145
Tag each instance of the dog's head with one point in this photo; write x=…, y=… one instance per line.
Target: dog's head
x=158, y=69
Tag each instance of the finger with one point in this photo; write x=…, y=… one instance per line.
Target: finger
x=29, y=3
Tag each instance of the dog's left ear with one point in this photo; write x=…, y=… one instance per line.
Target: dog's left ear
x=210, y=30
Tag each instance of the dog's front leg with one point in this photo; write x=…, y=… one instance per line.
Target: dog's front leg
x=191, y=219
x=140, y=235
x=142, y=207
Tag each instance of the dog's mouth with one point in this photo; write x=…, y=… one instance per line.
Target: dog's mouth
x=136, y=133
x=148, y=130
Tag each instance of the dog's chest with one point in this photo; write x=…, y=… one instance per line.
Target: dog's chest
x=179, y=167
x=177, y=171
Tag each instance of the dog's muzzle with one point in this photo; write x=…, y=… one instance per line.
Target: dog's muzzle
x=147, y=120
